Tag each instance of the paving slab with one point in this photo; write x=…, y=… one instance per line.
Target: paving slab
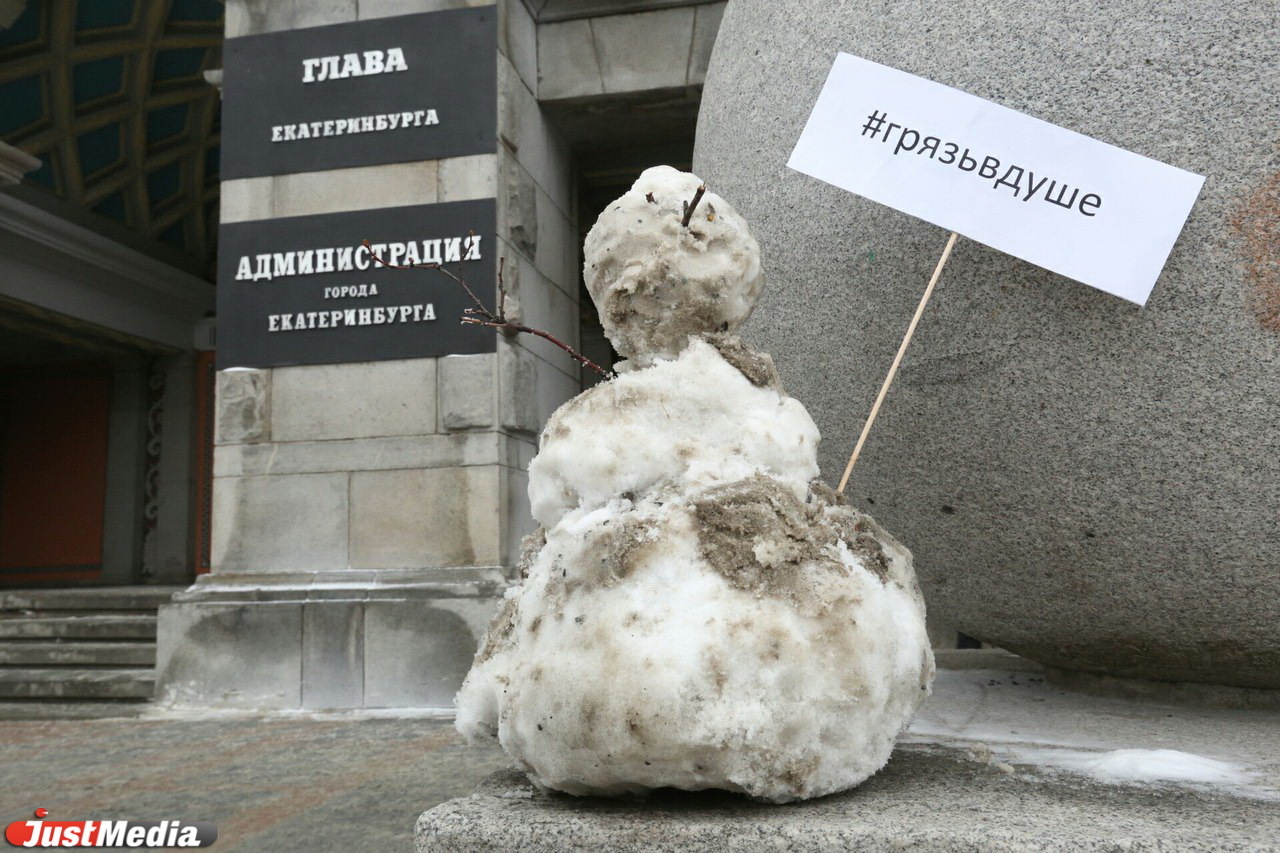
x=278, y=783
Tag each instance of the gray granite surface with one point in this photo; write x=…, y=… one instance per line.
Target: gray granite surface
x=1082, y=481
x=999, y=759
x=927, y=798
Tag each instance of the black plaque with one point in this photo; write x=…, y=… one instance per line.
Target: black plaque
x=275, y=123
x=279, y=305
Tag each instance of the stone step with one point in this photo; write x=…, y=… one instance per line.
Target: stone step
x=65, y=683
x=88, y=598
x=70, y=709
x=95, y=626
x=55, y=653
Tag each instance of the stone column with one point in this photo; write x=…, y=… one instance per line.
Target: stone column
x=168, y=480
x=126, y=470
x=367, y=516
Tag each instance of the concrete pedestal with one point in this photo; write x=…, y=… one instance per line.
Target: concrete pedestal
x=326, y=640
x=998, y=760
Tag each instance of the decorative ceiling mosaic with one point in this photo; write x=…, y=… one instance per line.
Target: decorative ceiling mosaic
x=109, y=94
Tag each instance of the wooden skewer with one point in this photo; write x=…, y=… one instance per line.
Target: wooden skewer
x=897, y=360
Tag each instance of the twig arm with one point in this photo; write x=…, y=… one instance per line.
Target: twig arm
x=482, y=316
x=690, y=205
x=474, y=318
x=432, y=266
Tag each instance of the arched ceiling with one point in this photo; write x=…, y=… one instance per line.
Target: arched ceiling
x=109, y=94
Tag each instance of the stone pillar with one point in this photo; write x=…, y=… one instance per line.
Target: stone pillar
x=168, y=485
x=126, y=469
x=366, y=516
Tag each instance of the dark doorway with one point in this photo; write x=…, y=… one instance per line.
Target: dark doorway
x=53, y=472
x=73, y=439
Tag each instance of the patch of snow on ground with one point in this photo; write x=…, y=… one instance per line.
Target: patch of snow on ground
x=1138, y=765
x=1019, y=723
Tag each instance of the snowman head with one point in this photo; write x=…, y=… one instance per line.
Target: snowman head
x=656, y=281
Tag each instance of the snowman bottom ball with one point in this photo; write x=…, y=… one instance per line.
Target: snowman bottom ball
x=742, y=637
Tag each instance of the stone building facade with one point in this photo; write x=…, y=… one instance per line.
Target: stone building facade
x=364, y=517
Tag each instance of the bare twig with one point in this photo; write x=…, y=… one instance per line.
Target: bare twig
x=689, y=206
x=482, y=316
x=433, y=266
x=475, y=317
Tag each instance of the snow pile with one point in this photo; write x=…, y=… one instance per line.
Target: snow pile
x=696, y=611
x=1140, y=765
x=656, y=282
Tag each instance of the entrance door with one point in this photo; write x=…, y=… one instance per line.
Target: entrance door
x=53, y=474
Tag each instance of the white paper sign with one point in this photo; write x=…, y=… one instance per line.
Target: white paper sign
x=1088, y=210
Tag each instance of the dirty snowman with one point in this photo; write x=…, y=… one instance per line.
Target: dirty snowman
x=697, y=609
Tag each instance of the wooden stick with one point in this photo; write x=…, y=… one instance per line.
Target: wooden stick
x=897, y=360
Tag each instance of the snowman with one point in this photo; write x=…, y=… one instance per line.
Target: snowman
x=697, y=609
